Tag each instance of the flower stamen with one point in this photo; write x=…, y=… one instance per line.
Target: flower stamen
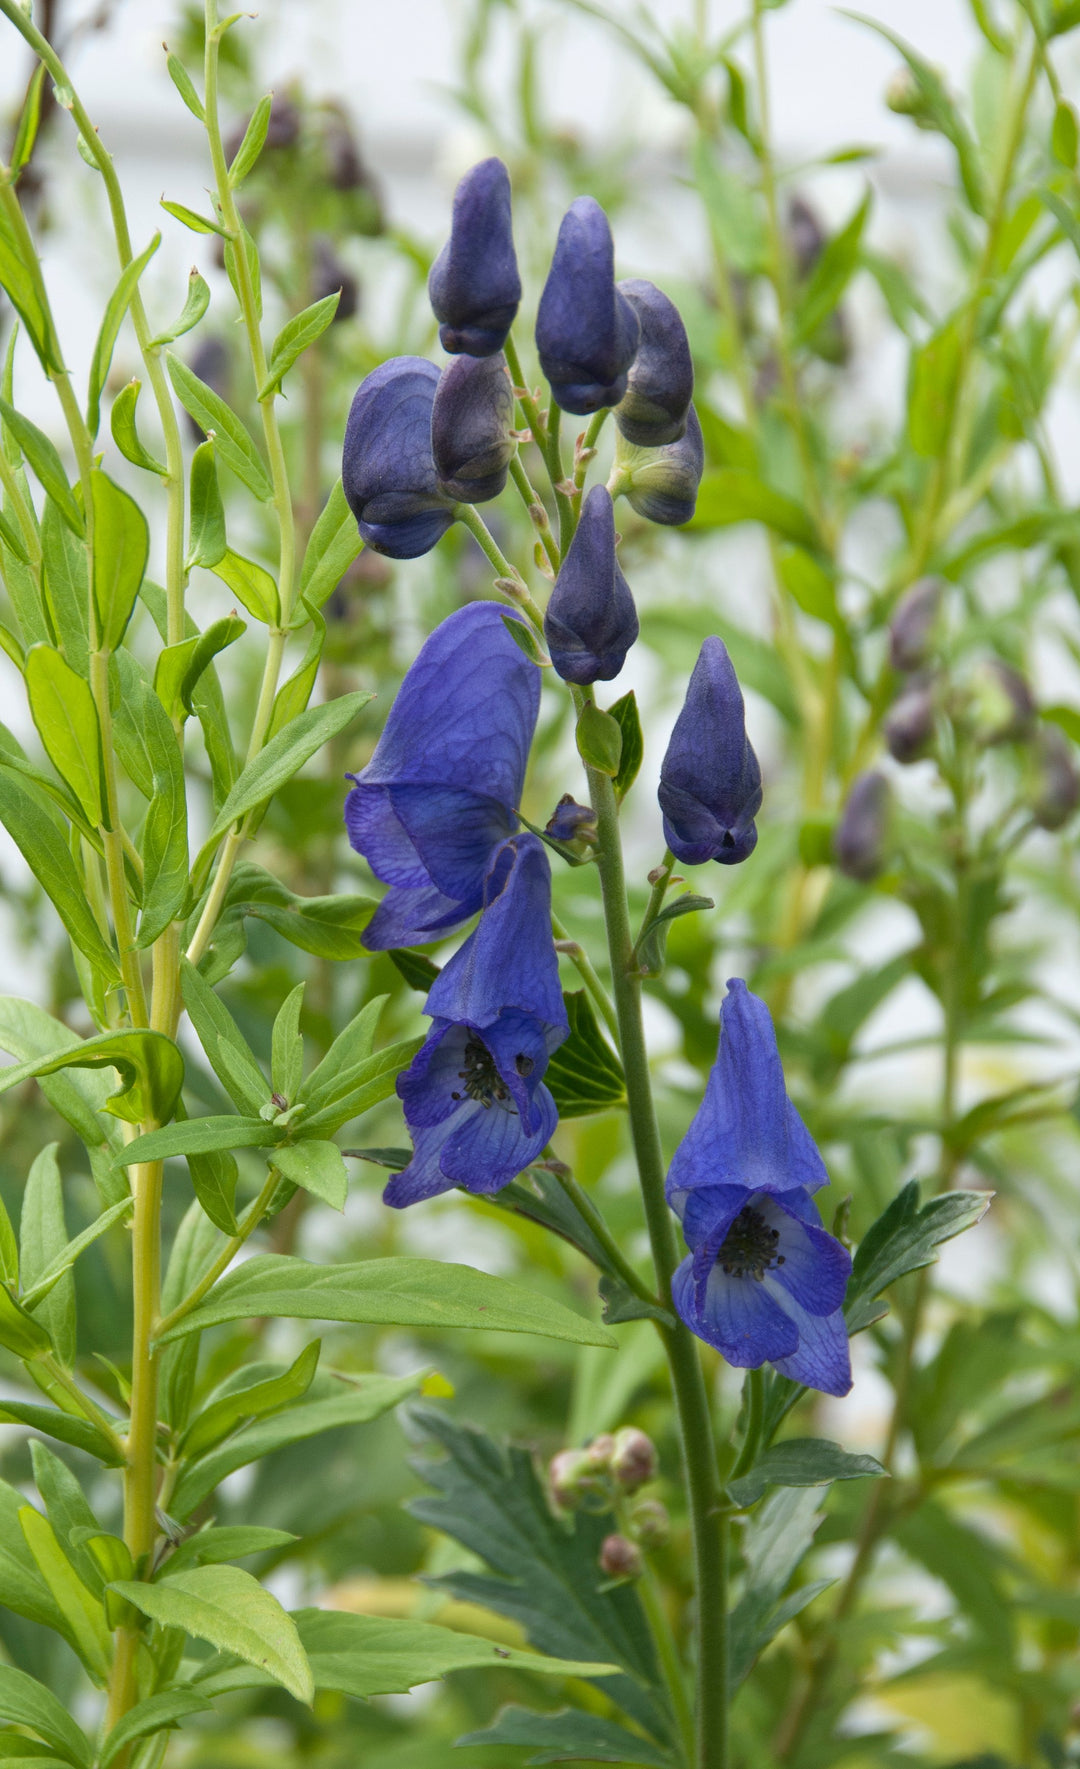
x=749, y=1248
x=481, y=1077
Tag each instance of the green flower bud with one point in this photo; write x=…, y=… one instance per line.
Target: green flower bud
x=650, y=1524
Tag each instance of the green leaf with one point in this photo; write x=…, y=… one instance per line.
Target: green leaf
x=652, y=943
x=49, y=859
x=22, y=1589
x=334, y=544
x=831, y=275
x=164, y=845
x=62, y=707
x=230, y=1609
x=46, y=463
x=220, y=1418
x=182, y=80
x=22, y=284
x=126, y=436
x=82, y=1611
x=935, y=371
x=69, y=1512
x=192, y=220
x=328, y=927
x=584, y=1074
x=292, y=697
x=332, y=1402
x=285, y=755
x=395, y=1292
x=199, y=1136
x=198, y=300
x=728, y=495
x=801, y=1461
x=43, y=1238
x=631, y=754
x=210, y=412
x=1064, y=135
x=570, y=1736
x=27, y=1031
x=19, y=1332
x=318, y=1167
x=808, y=584
x=296, y=336
x=9, y=1250
x=121, y=547
x=118, y=304
x=210, y=1546
x=150, y=1066
x=217, y=637
x=352, y=1046
x=156, y=1713
x=206, y=528
x=366, y=1655
x=228, y=1052
x=64, y=1427
x=29, y=119
x=354, y=1090
x=252, y=144
x=251, y=584
x=544, y=1574
x=777, y=1538
x=24, y=1702
x=599, y=739
x=254, y=269
x=65, y=584
x=903, y=1239
x=287, y=1045
x=214, y=1174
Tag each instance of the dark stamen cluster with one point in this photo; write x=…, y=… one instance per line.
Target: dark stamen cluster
x=749, y=1249
x=482, y=1079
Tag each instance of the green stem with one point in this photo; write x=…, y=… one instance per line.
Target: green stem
x=709, y=1529
x=580, y=958
x=247, y=1226
x=546, y=437
x=582, y=1201
x=652, y=1600
x=754, y=1397
x=470, y=518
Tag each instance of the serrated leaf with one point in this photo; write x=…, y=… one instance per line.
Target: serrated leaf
x=631, y=754
x=227, y=1607
x=118, y=304
x=198, y=300
x=903, y=1239
x=801, y=1461
x=396, y=1292
x=584, y=1074
x=296, y=336
x=126, y=436
x=285, y=755
x=210, y=412
x=570, y=1736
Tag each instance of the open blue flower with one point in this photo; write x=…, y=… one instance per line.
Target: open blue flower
x=441, y=790
x=474, y=284
x=764, y=1281
x=710, y=782
x=474, y=1096
x=387, y=470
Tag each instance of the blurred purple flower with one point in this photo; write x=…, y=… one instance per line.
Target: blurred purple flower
x=710, y=782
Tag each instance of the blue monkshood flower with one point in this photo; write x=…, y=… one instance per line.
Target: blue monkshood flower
x=586, y=331
x=471, y=424
x=591, y=622
x=440, y=792
x=652, y=411
x=710, y=782
x=661, y=484
x=474, y=1096
x=764, y=1282
x=861, y=838
x=570, y=821
x=387, y=471
x=474, y=286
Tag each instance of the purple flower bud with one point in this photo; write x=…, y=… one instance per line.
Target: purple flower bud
x=650, y=1524
x=620, y=1558
x=474, y=286
x=329, y=273
x=591, y=621
x=633, y=1459
x=806, y=236
x=387, y=471
x=908, y=725
x=710, y=782
x=652, y=411
x=1057, y=782
x=471, y=421
x=1003, y=706
x=586, y=330
x=661, y=484
x=912, y=625
x=861, y=836
x=570, y=821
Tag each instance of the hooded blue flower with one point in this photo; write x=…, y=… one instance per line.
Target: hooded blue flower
x=586, y=331
x=591, y=621
x=654, y=408
x=764, y=1281
x=387, y=471
x=474, y=1096
x=710, y=782
x=474, y=286
x=471, y=424
x=440, y=792
x=661, y=484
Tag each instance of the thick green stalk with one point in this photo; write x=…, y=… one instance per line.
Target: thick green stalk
x=708, y=1526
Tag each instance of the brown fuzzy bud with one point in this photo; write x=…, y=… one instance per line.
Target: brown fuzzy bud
x=620, y=1558
x=633, y=1459
x=568, y=1476
x=599, y=1452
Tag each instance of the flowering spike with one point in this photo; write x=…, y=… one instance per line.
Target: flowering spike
x=471, y=421
x=474, y=1096
x=653, y=410
x=710, y=782
x=439, y=793
x=591, y=621
x=474, y=286
x=586, y=331
x=764, y=1282
x=387, y=471
x=661, y=484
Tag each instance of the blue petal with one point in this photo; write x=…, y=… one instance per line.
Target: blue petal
x=653, y=410
x=472, y=424
x=816, y=1266
x=591, y=621
x=520, y=1046
x=737, y=1316
x=454, y=834
x=823, y=1357
x=746, y=1132
x=486, y=1149
x=586, y=330
x=474, y=286
x=423, y=1177
x=427, y=1087
x=387, y=471
x=509, y=960
x=710, y=781
x=412, y=918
